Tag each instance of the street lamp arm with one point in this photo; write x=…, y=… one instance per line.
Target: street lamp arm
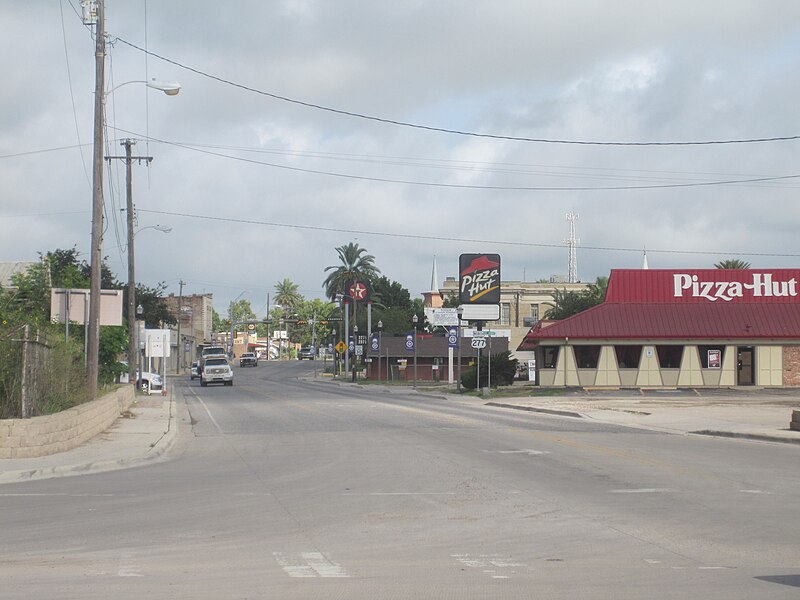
x=170, y=88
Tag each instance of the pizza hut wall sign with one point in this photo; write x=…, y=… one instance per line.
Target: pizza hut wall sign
x=479, y=281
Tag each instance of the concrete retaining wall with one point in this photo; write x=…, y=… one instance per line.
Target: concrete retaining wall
x=51, y=434
x=794, y=424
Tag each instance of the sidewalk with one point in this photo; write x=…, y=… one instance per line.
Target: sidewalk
x=757, y=416
x=142, y=435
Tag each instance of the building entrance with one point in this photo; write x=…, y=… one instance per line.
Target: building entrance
x=745, y=374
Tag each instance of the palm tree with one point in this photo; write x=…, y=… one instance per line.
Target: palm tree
x=355, y=265
x=287, y=294
x=732, y=263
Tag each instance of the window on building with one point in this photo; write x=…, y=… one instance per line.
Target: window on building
x=669, y=357
x=549, y=357
x=505, y=314
x=711, y=356
x=587, y=357
x=534, y=312
x=628, y=356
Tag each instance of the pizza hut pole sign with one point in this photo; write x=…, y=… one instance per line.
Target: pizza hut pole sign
x=479, y=281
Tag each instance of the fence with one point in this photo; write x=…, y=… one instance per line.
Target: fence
x=37, y=377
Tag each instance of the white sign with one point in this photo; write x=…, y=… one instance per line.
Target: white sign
x=445, y=317
x=480, y=312
x=478, y=343
x=761, y=287
x=157, y=343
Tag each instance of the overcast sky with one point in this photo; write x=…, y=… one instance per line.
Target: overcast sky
x=258, y=188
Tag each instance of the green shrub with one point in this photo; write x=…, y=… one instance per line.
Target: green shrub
x=504, y=368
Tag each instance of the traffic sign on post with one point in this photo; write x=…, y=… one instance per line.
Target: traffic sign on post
x=478, y=343
x=452, y=337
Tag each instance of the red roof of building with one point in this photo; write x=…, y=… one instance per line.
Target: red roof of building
x=621, y=317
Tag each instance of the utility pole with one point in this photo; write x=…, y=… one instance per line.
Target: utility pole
x=180, y=313
x=96, y=246
x=132, y=345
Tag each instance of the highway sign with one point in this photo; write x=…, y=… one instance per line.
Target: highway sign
x=478, y=343
x=340, y=347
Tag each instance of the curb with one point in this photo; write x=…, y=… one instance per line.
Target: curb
x=155, y=453
x=547, y=411
x=746, y=436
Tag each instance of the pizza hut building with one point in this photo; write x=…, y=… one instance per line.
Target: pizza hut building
x=678, y=328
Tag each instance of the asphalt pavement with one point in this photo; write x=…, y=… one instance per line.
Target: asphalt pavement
x=153, y=424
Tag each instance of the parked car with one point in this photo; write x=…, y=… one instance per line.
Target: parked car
x=216, y=369
x=306, y=352
x=195, y=371
x=151, y=383
x=248, y=359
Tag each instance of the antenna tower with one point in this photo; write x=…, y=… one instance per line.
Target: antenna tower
x=573, y=244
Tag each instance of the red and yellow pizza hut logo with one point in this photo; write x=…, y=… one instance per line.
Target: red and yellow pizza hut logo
x=480, y=278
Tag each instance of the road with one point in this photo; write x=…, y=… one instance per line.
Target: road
x=287, y=488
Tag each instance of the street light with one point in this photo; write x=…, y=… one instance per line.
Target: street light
x=380, y=345
x=414, y=320
x=460, y=311
x=132, y=345
x=355, y=345
x=170, y=88
x=335, y=353
x=137, y=347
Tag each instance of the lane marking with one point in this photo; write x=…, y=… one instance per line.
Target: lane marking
x=208, y=412
x=643, y=491
x=755, y=492
x=398, y=494
x=309, y=564
x=524, y=451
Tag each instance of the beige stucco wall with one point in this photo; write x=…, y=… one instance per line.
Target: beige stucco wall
x=51, y=434
x=769, y=365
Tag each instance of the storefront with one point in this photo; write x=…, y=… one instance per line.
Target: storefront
x=678, y=328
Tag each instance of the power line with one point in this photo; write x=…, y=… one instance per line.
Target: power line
x=452, y=239
x=388, y=121
x=481, y=187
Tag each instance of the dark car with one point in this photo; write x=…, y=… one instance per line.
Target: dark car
x=306, y=352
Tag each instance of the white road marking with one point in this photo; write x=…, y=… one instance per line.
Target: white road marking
x=485, y=561
x=643, y=491
x=57, y=495
x=524, y=451
x=755, y=492
x=398, y=494
x=127, y=568
x=208, y=412
x=309, y=564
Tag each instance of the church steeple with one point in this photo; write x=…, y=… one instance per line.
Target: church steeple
x=433, y=297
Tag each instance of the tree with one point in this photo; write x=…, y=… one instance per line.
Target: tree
x=287, y=293
x=732, y=263
x=571, y=303
x=155, y=310
x=355, y=264
x=390, y=294
x=241, y=311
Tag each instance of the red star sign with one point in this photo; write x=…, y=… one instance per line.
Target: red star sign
x=358, y=291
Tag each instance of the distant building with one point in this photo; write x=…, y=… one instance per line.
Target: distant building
x=195, y=317
x=8, y=269
x=522, y=304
